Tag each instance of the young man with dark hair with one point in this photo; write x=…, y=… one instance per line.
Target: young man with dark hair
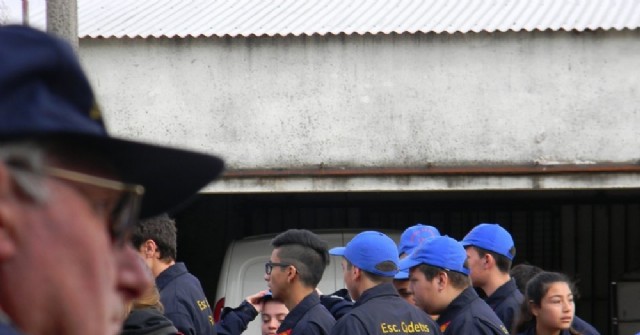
x=370, y=261
x=490, y=250
x=180, y=292
x=439, y=277
x=293, y=272
x=69, y=194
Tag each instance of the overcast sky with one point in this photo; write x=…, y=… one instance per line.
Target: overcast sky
x=11, y=10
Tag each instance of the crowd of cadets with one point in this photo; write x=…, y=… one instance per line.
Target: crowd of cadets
x=59, y=170
x=427, y=284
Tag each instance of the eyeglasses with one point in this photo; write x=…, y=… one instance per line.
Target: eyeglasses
x=122, y=214
x=268, y=266
x=119, y=215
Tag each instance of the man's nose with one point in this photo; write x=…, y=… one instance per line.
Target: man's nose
x=134, y=276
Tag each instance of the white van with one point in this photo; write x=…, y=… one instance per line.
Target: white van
x=242, y=272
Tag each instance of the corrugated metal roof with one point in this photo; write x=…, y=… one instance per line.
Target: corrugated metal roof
x=171, y=18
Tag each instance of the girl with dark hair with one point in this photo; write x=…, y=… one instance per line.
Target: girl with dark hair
x=548, y=307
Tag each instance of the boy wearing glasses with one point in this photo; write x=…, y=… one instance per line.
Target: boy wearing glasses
x=293, y=272
x=180, y=292
x=69, y=194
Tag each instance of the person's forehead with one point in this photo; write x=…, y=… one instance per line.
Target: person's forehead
x=558, y=288
x=274, y=307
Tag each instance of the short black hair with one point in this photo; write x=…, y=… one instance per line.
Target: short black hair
x=161, y=230
x=502, y=262
x=457, y=279
x=378, y=279
x=522, y=273
x=306, y=251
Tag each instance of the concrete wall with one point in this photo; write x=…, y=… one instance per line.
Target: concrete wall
x=378, y=100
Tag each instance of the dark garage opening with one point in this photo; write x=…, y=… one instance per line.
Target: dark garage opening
x=590, y=235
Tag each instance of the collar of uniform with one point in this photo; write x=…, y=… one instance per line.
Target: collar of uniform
x=385, y=289
x=166, y=276
x=503, y=292
x=461, y=302
x=299, y=311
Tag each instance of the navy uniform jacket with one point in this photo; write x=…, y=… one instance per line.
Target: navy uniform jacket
x=338, y=303
x=6, y=328
x=184, y=301
x=578, y=324
x=308, y=317
x=506, y=302
x=583, y=327
x=380, y=310
x=532, y=331
x=468, y=314
x=235, y=321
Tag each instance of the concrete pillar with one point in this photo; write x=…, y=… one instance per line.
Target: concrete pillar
x=62, y=20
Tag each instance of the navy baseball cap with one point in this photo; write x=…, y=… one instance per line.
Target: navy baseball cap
x=441, y=251
x=45, y=95
x=492, y=237
x=414, y=235
x=368, y=251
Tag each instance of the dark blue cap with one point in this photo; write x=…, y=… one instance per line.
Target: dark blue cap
x=442, y=252
x=414, y=235
x=369, y=249
x=492, y=237
x=44, y=94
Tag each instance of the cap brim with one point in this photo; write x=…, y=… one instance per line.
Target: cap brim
x=170, y=176
x=466, y=243
x=407, y=263
x=337, y=251
x=402, y=275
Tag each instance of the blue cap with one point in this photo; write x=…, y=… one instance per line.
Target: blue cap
x=414, y=235
x=402, y=275
x=492, y=237
x=367, y=250
x=442, y=251
x=45, y=95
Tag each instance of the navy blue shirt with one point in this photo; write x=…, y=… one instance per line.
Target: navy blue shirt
x=308, y=317
x=184, y=301
x=468, y=314
x=235, y=321
x=506, y=302
x=380, y=310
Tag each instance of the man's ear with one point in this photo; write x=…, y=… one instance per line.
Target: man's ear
x=489, y=261
x=149, y=248
x=8, y=219
x=357, y=272
x=442, y=280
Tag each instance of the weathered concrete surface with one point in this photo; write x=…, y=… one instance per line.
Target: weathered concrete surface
x=378, y=101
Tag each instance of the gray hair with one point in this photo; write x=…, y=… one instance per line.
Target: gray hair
x=25, y=159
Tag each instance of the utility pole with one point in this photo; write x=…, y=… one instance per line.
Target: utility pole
x=62, y=20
